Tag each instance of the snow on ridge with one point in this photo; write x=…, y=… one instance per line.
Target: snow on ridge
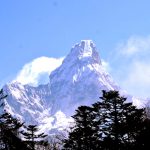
x=36, y=72
x=86, y=48
x=77, y=81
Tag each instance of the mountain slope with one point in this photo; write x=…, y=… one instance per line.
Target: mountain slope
x=78, y=81
x=26, y=102
x=80, y=78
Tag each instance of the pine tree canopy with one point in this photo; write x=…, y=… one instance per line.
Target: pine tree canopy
x=111, y=124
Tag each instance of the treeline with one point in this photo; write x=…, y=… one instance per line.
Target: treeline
x=15, y=135
x=109, y=124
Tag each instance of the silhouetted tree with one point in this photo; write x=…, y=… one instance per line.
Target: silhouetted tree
x=2, y=96
x=9, y=129
x=110, y=124
x=122, y=121
x=10, y=132
x=84, y=134
x=142, y=140
x=32, y=138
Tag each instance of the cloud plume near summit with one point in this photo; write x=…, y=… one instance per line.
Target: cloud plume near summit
x=37, y=71
x=134, y=53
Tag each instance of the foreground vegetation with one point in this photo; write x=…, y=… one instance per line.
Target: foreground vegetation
x=109, y=124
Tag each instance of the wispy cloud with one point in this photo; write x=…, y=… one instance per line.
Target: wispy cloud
x=37, y=71
x=134, y=65
x=137, y=79
x=135, y=45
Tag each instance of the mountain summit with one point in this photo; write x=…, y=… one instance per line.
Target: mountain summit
x=78, y=81
x=83, y=51
x=80, y=78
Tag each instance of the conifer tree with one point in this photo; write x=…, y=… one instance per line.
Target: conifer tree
x=9, y=129
x=142, y=140
x=32, y=138
x=10, y=132
x=112, y=123
x=84, y=134
x=121, y=121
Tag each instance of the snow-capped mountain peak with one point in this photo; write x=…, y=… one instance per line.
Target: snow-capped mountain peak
x=78, y=81
x=85, y=48
x=84, y=51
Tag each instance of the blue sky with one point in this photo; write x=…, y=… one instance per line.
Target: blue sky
x=30, y=29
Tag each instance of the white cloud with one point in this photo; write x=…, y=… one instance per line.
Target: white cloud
x=132, y=66
x=106, y=65
x=135, y=45
x=137, y=79
x=37, y=71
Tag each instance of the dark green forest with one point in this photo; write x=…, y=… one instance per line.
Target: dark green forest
x=112, y=123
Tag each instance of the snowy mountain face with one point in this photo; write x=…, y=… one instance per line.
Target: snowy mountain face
x=26, y=102
x=78, y=81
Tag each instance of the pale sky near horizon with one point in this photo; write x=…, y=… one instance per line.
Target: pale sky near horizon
x=31, y=29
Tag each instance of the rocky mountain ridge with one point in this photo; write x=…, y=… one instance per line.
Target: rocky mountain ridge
x=78, y=81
